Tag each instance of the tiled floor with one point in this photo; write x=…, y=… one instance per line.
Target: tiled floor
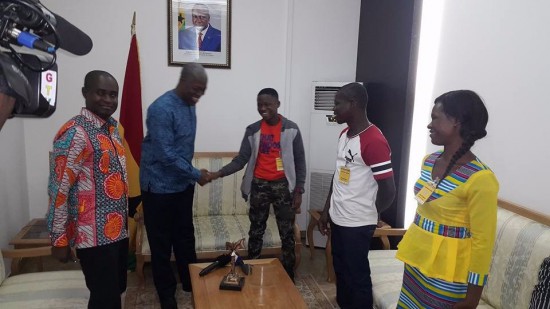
x=316, y=267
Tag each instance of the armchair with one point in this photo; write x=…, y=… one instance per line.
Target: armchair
x=50, y=289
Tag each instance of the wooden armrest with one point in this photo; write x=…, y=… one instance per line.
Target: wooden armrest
x=315, y=214
x=26, y=253
x=379, y=232
x=384, y=232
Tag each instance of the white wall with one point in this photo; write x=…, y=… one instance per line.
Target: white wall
x=319, y=52
x=500, y=50
x=14, y=211
x=280, y=44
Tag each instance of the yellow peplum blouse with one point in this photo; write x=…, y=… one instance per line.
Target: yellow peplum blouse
x=453, y=235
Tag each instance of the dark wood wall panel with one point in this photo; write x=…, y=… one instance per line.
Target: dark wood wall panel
x=386, y=63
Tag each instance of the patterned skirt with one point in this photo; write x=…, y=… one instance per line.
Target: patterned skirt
x=420, y=291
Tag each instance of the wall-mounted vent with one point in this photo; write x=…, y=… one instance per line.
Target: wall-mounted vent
x=324, y=97
x=319, y=188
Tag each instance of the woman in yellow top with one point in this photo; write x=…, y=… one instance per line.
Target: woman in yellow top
x=447, y=250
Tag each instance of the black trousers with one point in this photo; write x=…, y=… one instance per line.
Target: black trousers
x=105, y=270
x=169, y=223
x=350, y=250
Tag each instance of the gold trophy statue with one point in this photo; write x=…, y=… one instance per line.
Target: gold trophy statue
x=233, y=281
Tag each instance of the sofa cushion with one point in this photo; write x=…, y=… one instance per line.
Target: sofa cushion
x=387, y=277
x=52, y=289
x=211, y=232
x=541, y=294
x=520, y=247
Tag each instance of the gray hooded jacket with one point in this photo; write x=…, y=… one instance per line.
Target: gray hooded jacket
x=292, y=155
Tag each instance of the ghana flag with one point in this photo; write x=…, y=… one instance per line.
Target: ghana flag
x=131, y=130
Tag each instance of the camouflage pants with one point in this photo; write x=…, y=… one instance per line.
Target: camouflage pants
x=264, y=194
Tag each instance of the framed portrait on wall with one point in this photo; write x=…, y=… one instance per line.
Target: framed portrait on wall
x=199, y=31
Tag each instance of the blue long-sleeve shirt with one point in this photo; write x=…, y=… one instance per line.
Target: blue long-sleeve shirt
x=168, y=146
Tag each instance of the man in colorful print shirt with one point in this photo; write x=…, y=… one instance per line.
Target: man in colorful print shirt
x=88, y=193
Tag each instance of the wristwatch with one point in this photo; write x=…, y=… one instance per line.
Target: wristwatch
x=299, y=190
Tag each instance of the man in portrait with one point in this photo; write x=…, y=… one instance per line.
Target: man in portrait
x=201, y=36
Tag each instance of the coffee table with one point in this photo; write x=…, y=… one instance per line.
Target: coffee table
x=267, y=287
x=34, y=234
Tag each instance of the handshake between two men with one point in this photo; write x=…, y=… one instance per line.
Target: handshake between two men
x=207, y=176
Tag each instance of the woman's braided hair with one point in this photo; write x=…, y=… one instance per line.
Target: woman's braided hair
x=466, y=107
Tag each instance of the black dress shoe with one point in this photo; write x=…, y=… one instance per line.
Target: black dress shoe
x=169, y=303
x=187, y=288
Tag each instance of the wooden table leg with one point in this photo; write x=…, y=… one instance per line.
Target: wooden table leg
x=40, y=264
x=15, y=266
x=313, y=222
x=309, y=234
x=297, y=246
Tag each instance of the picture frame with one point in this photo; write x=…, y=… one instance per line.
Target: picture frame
x=199, y=31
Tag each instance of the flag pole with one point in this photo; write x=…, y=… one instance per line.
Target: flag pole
x=131, y=124
x=133, y=27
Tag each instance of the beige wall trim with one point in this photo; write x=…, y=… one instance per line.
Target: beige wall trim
x=522, y=211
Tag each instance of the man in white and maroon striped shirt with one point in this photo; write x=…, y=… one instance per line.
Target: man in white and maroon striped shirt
x=362, y=187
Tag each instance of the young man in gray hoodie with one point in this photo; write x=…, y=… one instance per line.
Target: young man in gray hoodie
x=273, y=150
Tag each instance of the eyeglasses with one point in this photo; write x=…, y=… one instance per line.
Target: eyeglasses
x=202, y=17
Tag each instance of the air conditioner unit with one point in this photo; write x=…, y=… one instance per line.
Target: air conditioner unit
x=324, y=133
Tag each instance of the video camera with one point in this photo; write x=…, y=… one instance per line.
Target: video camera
x=30, y=35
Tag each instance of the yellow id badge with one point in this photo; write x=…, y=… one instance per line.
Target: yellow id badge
x=344, y=175
x=424, y=194
x=279, y=163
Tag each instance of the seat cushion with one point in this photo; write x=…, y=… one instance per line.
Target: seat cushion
x=387, y=277
x=212, y=232
x=52, y=289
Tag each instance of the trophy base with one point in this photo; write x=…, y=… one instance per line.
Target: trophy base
x=231, y=283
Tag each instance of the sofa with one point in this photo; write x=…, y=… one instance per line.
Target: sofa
x=220, y=214
x=49, y=289
x=522, y=243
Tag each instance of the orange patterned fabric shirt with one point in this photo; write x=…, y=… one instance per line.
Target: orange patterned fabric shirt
x=88, y=189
